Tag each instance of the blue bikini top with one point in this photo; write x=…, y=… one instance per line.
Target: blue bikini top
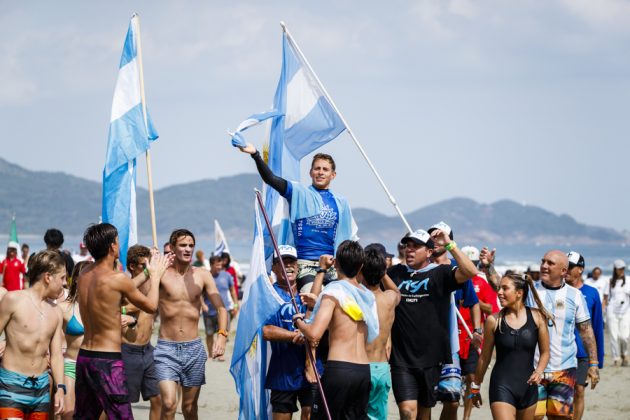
x=74, y=327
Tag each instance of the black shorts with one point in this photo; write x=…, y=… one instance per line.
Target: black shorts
x=470, y=365
x=582, y=371
x=347, y=390
x=416, y=384
x=140, y=370
x=286, y=401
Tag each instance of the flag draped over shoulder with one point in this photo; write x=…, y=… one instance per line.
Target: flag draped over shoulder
x=251, y=353
x=130, y=135
x=302, y=120
x=220, y=243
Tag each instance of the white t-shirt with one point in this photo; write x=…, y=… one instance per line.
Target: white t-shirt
x=568, y=306
x=600, y=284
x=619, y=298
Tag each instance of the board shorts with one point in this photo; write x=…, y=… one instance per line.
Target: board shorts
x=103, y=386
x=555, y=394
x=286, y=401
x=140, y=370
x=582, y=371
x=381, y=383
x=70, y=368
x=450, y=385
x=307, y=270
x=24, y=396
x=181, y=361
x=347, y=389
x=416, y=384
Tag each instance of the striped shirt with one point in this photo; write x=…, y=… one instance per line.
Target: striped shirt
x=569, y=308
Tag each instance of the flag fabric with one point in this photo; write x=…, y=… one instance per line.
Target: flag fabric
x=251, y=354
x=13, y=236
x=130, y=135
x=302, y=120
x=220, y=243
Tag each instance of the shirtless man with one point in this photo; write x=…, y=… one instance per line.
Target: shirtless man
x=137, y=351
x=372, y=275
x=101, y=384
x=180, y=356
x=348, y=310
x=32, y=325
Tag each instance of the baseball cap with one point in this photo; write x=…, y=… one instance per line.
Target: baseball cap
x=443, y=227
x=418, y=236
x=619, y=264
x=379, y=248
x=287, y=251
x=534, y=268
x=575, y=259
x=13, y=244
x=471, y=252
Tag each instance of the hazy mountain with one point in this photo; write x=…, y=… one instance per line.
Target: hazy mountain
x=46, y=199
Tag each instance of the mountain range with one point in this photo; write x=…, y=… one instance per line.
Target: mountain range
x=54, y=199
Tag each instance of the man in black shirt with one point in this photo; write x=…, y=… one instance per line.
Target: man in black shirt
x=420, y=334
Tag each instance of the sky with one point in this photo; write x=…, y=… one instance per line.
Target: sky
x=490, y=100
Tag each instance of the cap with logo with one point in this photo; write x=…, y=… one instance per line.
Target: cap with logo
x=443, y=227
x=287, y=251
x=575, y=259
x=419, y=237
x=619, y=264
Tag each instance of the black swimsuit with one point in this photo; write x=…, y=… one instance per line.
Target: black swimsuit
x=515, y=364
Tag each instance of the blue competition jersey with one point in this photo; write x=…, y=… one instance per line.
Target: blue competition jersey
x=594, y=305
x=315, y=236
x=286, y=367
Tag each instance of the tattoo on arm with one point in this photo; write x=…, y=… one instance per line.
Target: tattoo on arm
x=588, y=338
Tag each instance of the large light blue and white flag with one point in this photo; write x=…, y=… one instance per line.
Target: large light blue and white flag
x=250, y=358
x=302, y=120
x=130, y=135
x=220, y=243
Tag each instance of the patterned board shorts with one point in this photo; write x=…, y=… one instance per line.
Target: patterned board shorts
x=555, y=394
x=23, y=396
x=181, y=361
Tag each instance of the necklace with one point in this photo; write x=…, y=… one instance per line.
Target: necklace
x=41, y=313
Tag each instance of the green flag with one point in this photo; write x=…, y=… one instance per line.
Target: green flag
x=13, y=237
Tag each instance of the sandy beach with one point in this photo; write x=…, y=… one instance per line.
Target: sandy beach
x=218, y=399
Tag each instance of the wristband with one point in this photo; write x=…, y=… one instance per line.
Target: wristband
x=222, y=332
x=123, y=310
x=593, y=364
x=297, y=317
x=450, y=246
x=321, y=270
x=146, y=273
x=478, y=331
x=63, y=387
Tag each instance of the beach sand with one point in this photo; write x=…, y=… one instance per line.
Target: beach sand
x=219, y=400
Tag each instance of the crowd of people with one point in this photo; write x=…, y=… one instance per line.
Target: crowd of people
x=423, y=324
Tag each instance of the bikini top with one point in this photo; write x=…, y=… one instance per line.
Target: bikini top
x=74, y=327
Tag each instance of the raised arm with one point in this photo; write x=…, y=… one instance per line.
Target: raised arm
x=277, y=183
x=465, y=268
x=149, y=303
x=315, y=330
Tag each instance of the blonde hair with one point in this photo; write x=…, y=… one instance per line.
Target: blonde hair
x=45, y=262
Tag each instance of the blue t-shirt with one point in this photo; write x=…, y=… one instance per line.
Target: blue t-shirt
x=224, y=281
x=594, y=305
x=466, y=292
x=315, y=235
x=286, y=367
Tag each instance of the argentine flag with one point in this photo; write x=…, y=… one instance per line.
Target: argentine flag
x=302, y=120
x=220, y=243
x=251, y=353
x=130, y=135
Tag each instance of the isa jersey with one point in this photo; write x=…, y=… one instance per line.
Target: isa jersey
x=569, y=308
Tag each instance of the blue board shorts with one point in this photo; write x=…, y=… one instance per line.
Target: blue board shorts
x=381, y=383
x=181, y=361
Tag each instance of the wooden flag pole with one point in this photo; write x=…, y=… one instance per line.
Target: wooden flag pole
x=144, y=114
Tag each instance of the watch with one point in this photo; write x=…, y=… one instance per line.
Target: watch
x=320, y=270
x=62, y=386
x=478, y=331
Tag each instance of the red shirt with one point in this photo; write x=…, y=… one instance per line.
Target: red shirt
x=486, y=294
x=12, y=270
x=232, y=272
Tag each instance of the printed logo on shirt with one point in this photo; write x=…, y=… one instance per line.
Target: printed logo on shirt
x=324, y=220
x=412, y=290
x=559, y=304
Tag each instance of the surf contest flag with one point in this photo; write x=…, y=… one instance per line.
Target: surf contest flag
x=220, y=243
x=13, y=235
x=251, y=353
x=130, y=135
x=302, y=120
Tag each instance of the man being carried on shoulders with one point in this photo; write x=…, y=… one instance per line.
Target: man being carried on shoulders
x=180, y=356
x=320, y=219
x=348, y=310
x=32, y=326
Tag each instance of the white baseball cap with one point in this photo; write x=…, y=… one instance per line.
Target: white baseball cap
x=443, y=227
x=471, y=252
x=619, y=264
x=287, y=251
x=13, y=244
x=534, y=268
x=420, y=237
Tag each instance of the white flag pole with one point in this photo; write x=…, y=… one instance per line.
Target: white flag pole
x=144, y=113
x=365, y=156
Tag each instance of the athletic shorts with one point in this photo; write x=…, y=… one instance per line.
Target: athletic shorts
x=416, y=384
x=582, y=371
x=181, y=361
x=307, y=270
x=211, y=323
x=140, y=370
x=101, y=386
x=24, y=396
x=450, y=385
x=555, y=395
x=347, y=389
x=381, y=383
x=469, y=365
x=286, y=401
x=70, y=368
